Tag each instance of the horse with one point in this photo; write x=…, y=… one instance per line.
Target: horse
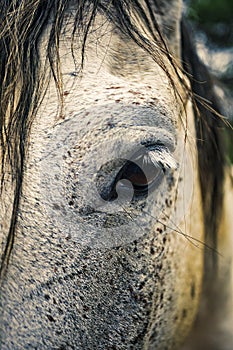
x=115, y=191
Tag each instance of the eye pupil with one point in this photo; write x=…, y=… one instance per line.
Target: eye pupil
x=134, y=174
x=140, y=176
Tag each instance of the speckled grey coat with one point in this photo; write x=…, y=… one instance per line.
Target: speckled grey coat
x=85, y=274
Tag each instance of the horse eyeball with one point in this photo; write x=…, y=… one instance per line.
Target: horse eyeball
x=143, y=172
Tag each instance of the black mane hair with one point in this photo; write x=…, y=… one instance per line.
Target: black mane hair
x=24, y=77
x=210, y=144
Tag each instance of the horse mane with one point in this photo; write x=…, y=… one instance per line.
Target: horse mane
x=210, y=144
x=24, y=77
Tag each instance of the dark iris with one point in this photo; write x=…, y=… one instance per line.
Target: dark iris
x=143, y=176
x=134, y=174
x=140, y=175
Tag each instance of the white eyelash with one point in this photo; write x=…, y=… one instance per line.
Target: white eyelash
x=160, y=156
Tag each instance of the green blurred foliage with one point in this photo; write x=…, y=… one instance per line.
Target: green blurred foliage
x=229, y=143
x=215, y=18
x=212, y=10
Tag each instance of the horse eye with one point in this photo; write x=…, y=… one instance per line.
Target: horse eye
x=144, y=172
x=141, y=176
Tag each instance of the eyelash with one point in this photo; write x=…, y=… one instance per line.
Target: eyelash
x=160, y=155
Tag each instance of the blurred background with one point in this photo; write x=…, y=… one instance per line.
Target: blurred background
x=213, y=24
